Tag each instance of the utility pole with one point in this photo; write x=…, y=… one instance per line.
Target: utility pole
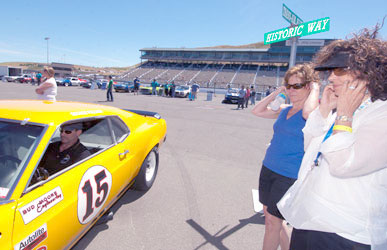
x=47, y=38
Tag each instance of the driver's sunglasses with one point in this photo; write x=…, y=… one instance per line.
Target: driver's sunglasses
x=66, y=131
x=295, y=86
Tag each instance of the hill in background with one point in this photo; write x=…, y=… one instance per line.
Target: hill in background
x=259, y=45
x=81, y=69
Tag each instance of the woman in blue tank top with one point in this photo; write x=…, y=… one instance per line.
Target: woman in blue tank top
x=284, y=155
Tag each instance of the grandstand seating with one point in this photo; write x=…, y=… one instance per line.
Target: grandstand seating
x=208, y=75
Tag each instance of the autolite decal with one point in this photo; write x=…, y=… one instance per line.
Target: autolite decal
x=33, y=239
x=37, y=207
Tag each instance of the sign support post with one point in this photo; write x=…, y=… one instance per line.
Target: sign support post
x=293, y=51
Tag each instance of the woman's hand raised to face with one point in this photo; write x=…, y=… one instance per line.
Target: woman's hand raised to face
x=351, y=96
x=328, y=100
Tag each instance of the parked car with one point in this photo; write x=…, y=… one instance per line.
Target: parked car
x=146, y=89
x=231, y=96
x=11, y=78
x=182, y=91
x=73, y=81
x=90, y=82
x=25, y=78
x=53, y=211
x=124, y=87
x=59, y=81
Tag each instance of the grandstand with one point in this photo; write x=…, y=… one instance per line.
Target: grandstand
x=259, y=65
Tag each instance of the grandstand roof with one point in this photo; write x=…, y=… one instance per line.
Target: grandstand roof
x=205, y=50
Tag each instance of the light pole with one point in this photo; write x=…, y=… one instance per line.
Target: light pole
x=47, y=38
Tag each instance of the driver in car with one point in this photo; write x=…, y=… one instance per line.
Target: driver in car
x=65, y=152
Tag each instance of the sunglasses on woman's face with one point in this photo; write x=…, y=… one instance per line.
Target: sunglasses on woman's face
x=295, y=86
x=66, y=131
x=338, y=71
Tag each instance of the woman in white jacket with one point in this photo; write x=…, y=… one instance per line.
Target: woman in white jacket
x=340, y=198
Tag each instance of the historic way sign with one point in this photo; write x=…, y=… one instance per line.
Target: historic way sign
x=290, y=16
x=303, y=29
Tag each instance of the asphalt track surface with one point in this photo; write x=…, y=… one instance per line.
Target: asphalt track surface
x=201, y=198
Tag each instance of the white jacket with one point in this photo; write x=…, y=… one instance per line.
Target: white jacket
x=347, y=193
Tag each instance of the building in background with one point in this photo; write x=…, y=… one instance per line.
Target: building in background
x=250, y=65
x=62, y=69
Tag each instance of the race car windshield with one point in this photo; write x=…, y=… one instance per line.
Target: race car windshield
x=16, y=145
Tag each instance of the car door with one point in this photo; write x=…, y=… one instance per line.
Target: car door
x=55, y=212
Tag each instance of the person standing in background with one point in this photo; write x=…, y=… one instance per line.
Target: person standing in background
x=109, y=92
x=38, y=77
x=154, y=85
x=173, y=88
x=136, y=85
x=48, y=89
x=247, y=97
x=252, y=95
x=241, y=97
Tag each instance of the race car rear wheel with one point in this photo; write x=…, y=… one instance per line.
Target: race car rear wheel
x=148, y=171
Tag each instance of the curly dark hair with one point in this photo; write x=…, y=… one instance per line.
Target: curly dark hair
x=367, y=57
x=304, y=71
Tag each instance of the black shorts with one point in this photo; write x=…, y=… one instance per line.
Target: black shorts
x=135, y=87
x=272, y=187
x=315, y=240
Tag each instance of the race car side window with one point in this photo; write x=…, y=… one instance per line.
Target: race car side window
x=95, y=136
x=120, y=129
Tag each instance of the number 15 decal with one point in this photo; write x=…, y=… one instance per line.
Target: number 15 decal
x=92, y=192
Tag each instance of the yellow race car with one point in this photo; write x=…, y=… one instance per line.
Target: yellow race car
x=50, y=196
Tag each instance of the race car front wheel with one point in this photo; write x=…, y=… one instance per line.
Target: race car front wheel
x=148, y=171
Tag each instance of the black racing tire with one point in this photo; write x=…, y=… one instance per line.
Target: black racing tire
x=147, y=175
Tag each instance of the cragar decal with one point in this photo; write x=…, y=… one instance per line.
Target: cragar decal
x=93, y=192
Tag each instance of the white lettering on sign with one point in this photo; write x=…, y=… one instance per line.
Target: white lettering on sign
x=37, y=207
x=32, y=240
x=316, y=26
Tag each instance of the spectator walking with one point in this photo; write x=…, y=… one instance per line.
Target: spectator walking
x=247, y=97
x=48, y=89
x=268, y=91
x=173, y=89
x=109, y=92
x=252, y=96
x=284, y=155
x=339, y=200
x=194, y=89
x=166, y=89
x=241, y=97
x=38, y=78
x=154, y=85
x=136, y=86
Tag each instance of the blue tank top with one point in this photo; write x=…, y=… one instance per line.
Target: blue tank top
x=284, y=155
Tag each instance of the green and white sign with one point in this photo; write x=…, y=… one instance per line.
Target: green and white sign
x=304, y=29
x=290, y=16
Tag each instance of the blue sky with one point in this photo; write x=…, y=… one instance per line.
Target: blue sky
x=110, y=33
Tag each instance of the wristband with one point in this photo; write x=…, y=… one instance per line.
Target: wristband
x=342, y=128
x=344, y=118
